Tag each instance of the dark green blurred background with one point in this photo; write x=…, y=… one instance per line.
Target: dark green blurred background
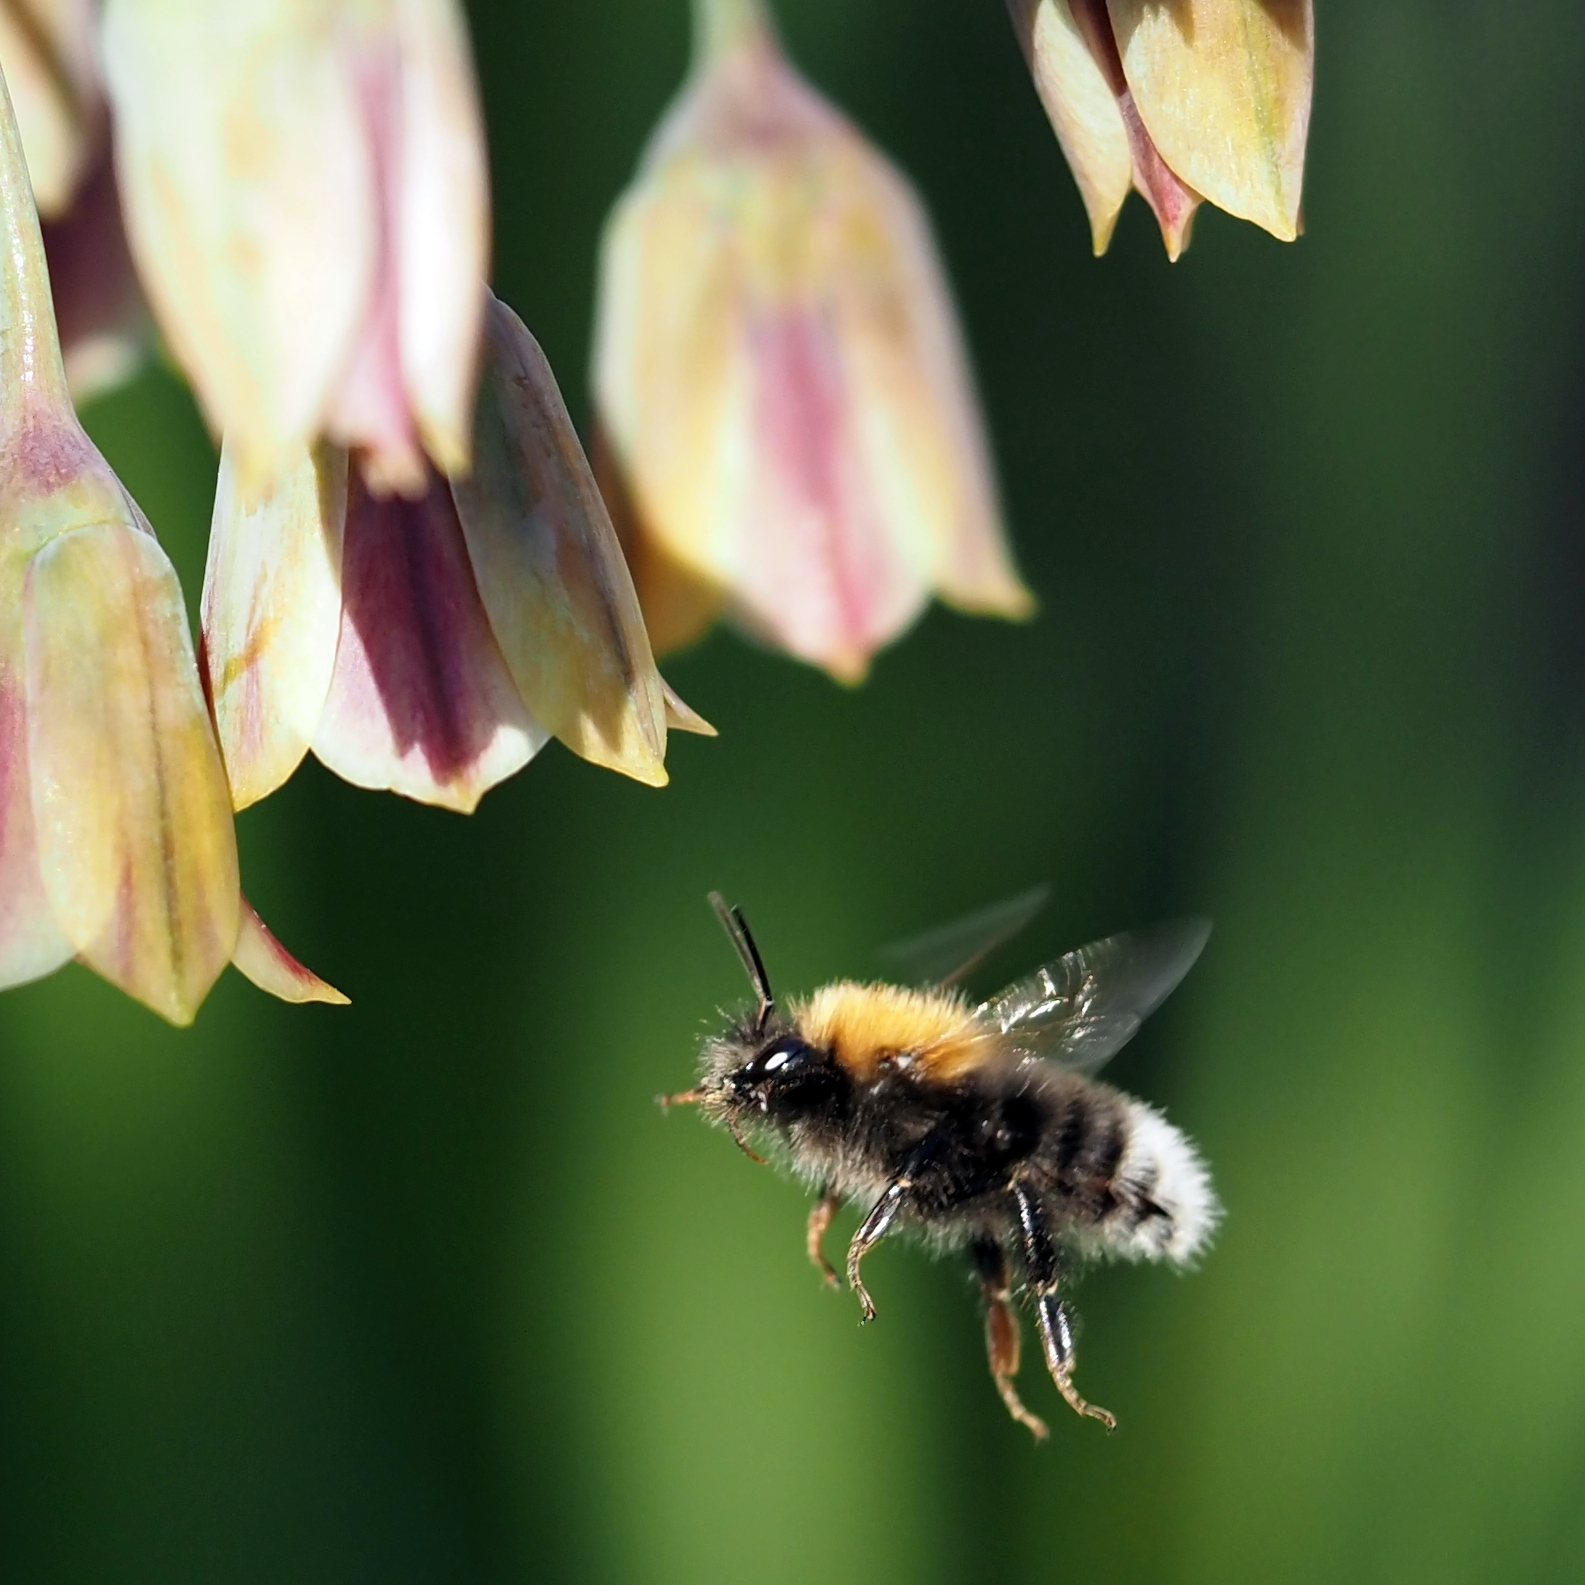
x=428, y=1290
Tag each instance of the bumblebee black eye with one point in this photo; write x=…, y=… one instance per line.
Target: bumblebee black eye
x=781, y=1059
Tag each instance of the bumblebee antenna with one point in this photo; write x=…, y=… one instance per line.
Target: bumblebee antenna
x=736, y=926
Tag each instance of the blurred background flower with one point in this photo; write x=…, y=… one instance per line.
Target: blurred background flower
x=1190, y=102
x=788, y=428
x=49, y=52
x=429, y=1290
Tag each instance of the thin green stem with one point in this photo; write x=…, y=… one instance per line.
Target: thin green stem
x=720, y=26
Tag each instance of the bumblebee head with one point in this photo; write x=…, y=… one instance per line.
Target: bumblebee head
x=783, y=1080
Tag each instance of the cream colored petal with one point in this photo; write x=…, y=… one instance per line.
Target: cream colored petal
x=443, y=221
x=549, y=568
x=129, y=796
x=421, y=702
x=272, y=616
x=249, y=194
x=1082, y=107
x=1223, y=87
x=262, y=959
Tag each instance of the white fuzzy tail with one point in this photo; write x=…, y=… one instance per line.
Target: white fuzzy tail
x=1168, y=1209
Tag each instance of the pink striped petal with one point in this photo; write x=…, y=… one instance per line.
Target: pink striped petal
x=272, y=616
x=262, y=959
x=551, y=573
x=421, y=701
x=369, y=407
x=130, y=799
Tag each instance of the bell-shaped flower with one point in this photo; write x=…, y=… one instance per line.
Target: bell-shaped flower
x=789, y=433
x=116, y=842
x=1197, y=101
x=431, y=645
x=49, y=51
x=306, y=193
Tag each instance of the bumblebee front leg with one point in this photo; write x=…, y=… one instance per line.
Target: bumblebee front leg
x=1001, y=1331
x=1056, y=1335
x=871, y=1231
x=884, y=1212
x=825, y=1208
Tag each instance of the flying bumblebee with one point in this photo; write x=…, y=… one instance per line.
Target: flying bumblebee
x=980, y=1127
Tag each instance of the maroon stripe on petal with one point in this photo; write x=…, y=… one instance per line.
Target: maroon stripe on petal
x=421, y=701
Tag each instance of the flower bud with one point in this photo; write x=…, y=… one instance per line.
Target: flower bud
x=431, y=646
x=788, y=429
x=1206, y=100
x=306, y=193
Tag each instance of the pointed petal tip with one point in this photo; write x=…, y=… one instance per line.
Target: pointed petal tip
x=263, y=960
x=681, y=717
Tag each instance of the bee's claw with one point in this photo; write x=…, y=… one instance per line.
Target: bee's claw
x=1089, y=1410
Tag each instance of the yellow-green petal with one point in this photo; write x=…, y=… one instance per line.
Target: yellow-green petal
x=550, y=570
x=129, y=795
x=1223, y=87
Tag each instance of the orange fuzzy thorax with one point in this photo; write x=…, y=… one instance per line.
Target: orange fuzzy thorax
x=864, y=1025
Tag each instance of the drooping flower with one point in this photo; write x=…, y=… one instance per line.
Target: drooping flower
x=788, y=429
x=432, y=645
x=116, y=842
x=1198, y=101
x=49, y=51
x=306, y=192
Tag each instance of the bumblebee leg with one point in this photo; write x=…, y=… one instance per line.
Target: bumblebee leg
x=871, y=1231
x=883, y=1213
x=820, y=1217
x=1001, y=1332
x=1056, y=1335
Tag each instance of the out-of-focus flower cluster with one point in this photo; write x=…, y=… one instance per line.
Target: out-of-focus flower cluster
x=412, y=571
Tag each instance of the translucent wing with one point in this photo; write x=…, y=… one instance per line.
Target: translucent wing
x=944, y=955
x=1083, y=1009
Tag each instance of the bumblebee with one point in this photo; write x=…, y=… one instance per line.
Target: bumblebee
x=980, y=1127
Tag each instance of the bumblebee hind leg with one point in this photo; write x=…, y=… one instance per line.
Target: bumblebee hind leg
x=1056, y=1336
x=1002, y=1341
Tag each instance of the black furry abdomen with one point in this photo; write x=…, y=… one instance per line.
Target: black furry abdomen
x=962, y=1145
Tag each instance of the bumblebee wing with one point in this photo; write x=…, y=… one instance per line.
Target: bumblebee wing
x=944, y=955
x=1080, y=1011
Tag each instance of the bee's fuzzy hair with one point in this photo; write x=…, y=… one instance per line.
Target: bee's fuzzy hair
x=1162, y=1179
